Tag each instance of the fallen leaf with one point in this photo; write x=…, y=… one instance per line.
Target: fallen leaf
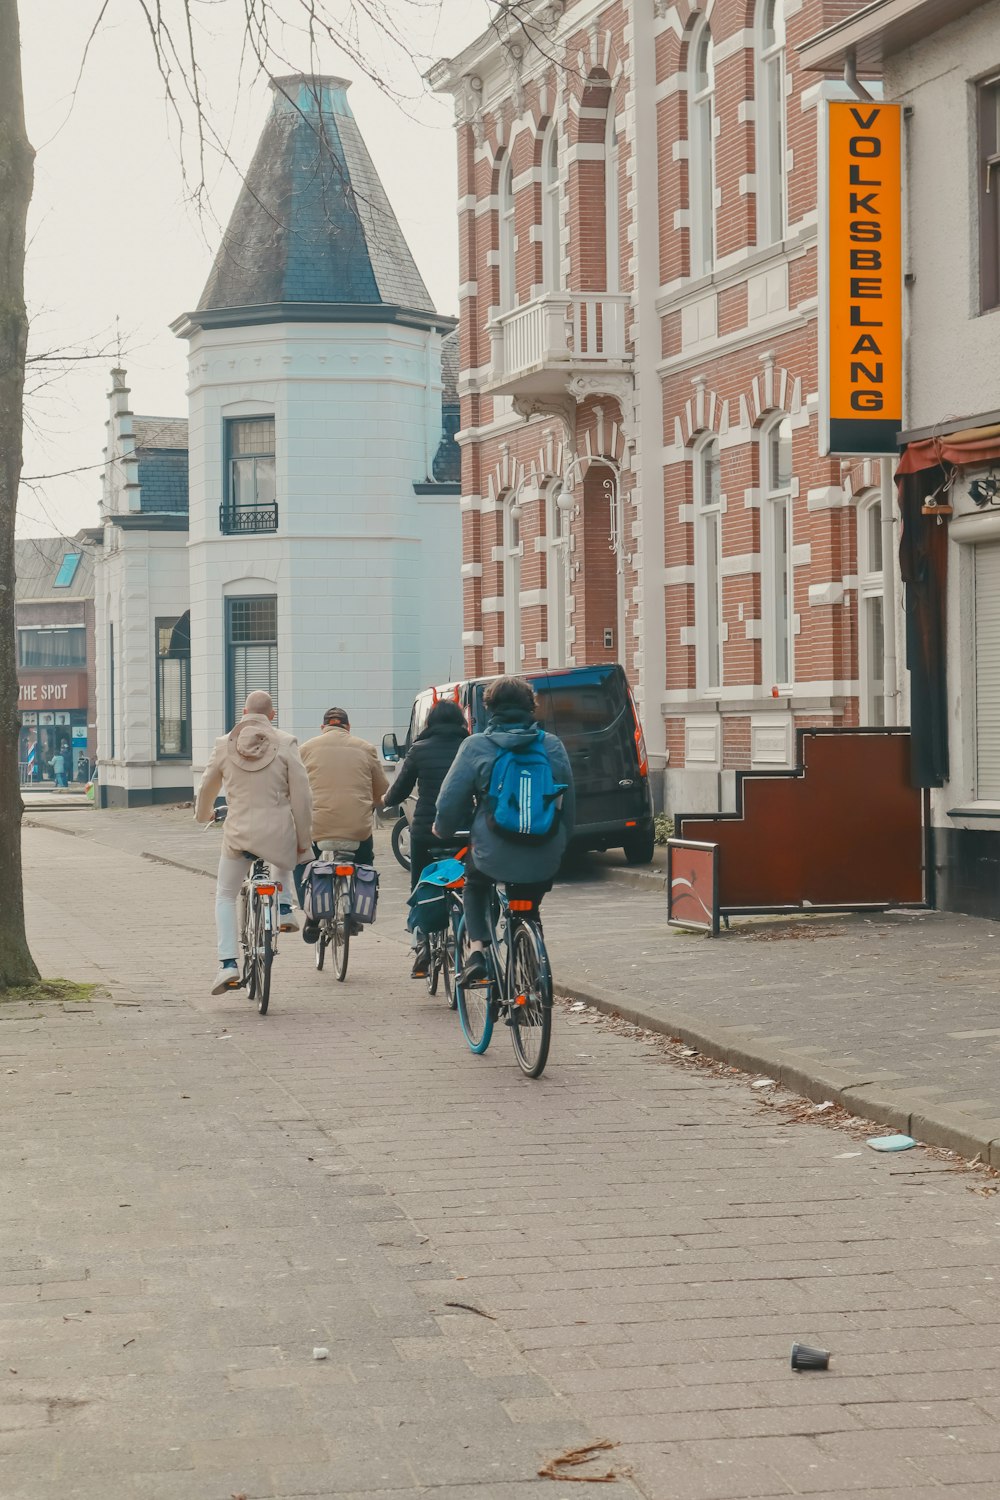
x=468, y=1307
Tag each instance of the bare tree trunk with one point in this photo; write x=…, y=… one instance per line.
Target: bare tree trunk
x=16, y=173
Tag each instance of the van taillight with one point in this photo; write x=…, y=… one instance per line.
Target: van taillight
x=640, y=741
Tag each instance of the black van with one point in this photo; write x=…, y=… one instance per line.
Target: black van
x=592, y=711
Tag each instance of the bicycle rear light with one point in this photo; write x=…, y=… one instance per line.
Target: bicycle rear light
x=521, y=905
x=343, y=869
x=266, y=890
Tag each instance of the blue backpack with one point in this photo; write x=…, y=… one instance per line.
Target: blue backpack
x=523, y=800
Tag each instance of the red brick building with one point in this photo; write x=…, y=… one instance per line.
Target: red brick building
x=639, y=379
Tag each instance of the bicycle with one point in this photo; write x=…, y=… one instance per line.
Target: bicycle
x=442, y=946
x=518, y=987
x=258, y=922
x=336, y=930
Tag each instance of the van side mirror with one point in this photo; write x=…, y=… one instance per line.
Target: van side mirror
x=390, y=747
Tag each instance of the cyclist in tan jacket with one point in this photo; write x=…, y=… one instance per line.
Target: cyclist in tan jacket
x=269, y=815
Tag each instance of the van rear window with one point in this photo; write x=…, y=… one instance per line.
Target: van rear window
x=580, y=707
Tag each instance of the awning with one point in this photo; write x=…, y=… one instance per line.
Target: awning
x=971, y=446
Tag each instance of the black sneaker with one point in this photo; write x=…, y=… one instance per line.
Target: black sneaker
x=310, y=931
x=420, y=961
x=474, y=970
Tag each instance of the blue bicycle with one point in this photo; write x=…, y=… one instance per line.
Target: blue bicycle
x=518, y=988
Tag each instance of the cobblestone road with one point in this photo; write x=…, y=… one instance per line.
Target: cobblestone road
x=194, y=1198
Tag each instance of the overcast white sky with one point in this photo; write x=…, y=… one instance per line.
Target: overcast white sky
x=112, y=236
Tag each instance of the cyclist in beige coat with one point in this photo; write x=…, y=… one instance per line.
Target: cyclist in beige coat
x=269, y=815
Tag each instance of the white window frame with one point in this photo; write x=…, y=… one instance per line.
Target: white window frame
x=771, y=134
x=612, y=203
x=871, y=603
x=507, y=241
x=709, y=627
x=551, y=212
x=777, y=579
x=701, y=151
x=513, y=551
x=556, y=567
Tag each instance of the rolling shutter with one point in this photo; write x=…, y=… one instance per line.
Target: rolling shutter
x=988, y=672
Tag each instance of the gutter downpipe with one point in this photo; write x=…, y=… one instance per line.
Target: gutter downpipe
x=851, y=78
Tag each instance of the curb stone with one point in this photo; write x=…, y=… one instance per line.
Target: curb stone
x=869, y=1098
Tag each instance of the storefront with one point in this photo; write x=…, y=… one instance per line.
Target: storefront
x=53, y=713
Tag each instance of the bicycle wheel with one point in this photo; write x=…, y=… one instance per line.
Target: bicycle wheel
x=321, y=943
x=401, y=842
x=263, y=957
x=340, y=936
x=448, y=965
x=531, y=983
x=433, y=962
x=473, y=1003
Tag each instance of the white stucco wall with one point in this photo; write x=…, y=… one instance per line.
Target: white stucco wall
x=140, y=576
x=952, y=366
x=366, y=573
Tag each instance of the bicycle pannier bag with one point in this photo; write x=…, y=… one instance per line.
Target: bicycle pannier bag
x=364, y=894
x=524, y=799
x=317, y=892
x=429, y=902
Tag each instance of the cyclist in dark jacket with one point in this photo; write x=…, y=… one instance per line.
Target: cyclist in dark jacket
x=427, y=762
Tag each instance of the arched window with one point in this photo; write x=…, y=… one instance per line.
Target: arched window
x=708, y=563
x=512, y=585
x=557, y=560
x=871, y=602
x=551, y=212
x=776, y=546
x=612, y=190
x=701, y=151
x=771, y=197
x=506, y=199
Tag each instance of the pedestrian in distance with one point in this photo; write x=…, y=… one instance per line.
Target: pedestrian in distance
x=348, y=784
x=269, y=817
x=427, y=762
x=523, y=853
x=58, y=764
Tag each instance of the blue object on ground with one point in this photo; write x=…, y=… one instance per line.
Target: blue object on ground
x=891, y=1142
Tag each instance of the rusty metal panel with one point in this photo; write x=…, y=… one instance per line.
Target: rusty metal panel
x=844, y=829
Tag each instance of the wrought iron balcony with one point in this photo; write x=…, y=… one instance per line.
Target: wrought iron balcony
x=240, y=520
x=561, y=334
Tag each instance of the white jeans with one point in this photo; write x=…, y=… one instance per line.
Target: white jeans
x=232, y=873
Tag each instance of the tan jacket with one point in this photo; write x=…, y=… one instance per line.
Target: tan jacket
x=267, y=791
x=347, y=783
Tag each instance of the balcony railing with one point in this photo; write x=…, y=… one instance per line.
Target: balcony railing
x=560, y=329
x=239, y=520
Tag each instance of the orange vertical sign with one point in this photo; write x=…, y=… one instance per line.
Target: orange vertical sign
x=864, y=261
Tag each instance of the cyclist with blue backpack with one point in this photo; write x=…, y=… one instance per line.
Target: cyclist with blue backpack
x=513, y=788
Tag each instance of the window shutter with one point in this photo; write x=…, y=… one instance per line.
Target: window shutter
x=988, y=671
x=255, y=669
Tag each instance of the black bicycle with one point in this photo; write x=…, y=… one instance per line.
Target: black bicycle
x=518, y=987
x=335, y=930
x=442, y=946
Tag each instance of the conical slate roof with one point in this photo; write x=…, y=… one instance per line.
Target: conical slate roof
x=313, y=234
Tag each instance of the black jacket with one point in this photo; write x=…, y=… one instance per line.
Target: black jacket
x=427, y=762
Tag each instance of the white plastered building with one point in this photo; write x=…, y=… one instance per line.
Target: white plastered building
x=321, y=558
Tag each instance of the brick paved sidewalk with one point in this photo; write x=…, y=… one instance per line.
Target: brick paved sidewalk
x=896, y=1016
x=194, y=1197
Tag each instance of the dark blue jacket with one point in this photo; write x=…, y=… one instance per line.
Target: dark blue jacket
x=460, y=804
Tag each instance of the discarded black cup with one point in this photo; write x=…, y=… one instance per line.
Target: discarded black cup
x=804, y=1358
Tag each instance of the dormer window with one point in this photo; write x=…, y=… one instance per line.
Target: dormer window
x=67, y=570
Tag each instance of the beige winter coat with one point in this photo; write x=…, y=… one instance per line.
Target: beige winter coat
x=267, y=792
x=347, y=782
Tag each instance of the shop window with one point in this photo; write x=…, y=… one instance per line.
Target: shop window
x=701, y=151
x=173, y=688
x=551, y=212
x=249, y=504
x=871, y=617
x=512, y=586
x=770, y=102
x=67, y=570
x=708, y=564
x=251, y=650
x=507, y=242
x=987, y=616
x=776, y=538
x=988, y=176
x=63, y=647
